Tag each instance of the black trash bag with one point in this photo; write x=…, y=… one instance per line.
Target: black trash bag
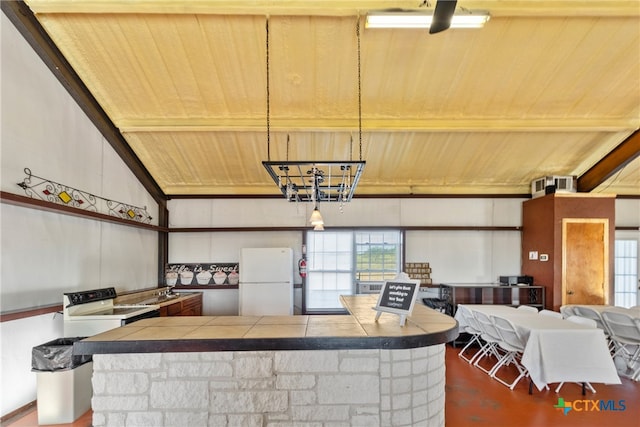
x=438, y=304
x=57, y=355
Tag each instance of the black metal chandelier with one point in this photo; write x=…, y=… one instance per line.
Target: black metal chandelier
x=316, y=180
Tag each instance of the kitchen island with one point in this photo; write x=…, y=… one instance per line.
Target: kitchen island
x=273, y=370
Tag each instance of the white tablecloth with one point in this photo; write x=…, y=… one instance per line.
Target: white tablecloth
x=557, y=350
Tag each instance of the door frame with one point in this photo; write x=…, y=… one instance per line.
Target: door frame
x=606, y=260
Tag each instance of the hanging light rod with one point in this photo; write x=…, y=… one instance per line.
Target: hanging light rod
x=420, y=19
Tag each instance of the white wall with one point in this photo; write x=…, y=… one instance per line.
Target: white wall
x=17, y=338
x=44, y=254
x=455, y=256
x=628, y=213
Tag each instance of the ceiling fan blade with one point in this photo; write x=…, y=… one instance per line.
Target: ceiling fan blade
x=442, y=15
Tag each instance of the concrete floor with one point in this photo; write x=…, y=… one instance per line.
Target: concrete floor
x=474, y=399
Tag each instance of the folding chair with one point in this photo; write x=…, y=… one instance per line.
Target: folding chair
x=625, y=334
x=567, y=310
x=550, y=313
x=490, y=336
x=528, y=308
x=590, y=313
x=472, y=329
x=513, y=345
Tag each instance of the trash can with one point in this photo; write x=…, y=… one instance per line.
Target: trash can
x=63, y=381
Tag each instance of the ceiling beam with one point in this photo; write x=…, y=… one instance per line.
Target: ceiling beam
x=335, y=7
x=29, y=27
x=253, y=124
x=617, y=159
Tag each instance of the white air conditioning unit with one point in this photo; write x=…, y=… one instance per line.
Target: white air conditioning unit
x=369, y=288
x=559, y=184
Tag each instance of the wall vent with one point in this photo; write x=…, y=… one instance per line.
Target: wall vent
x=553, y=184
x=369, y=288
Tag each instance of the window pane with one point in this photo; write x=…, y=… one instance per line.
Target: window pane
x=330, y=272
x=377, y=255
x=626, y=273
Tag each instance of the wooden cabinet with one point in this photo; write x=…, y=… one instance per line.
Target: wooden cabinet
x=188, y=306
x=567, y=246
x=484, y=293
x=192, y=306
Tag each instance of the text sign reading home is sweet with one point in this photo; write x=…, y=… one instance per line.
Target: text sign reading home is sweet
x=398, y=296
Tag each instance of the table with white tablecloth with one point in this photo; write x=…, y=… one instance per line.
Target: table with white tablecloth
x=557, y=350
x=625, y=368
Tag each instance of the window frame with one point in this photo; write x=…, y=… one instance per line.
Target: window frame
x=355, y=272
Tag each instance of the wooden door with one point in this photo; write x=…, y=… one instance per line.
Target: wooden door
x=585, y=261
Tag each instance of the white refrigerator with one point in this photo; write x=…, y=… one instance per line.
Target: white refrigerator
x=266, y=282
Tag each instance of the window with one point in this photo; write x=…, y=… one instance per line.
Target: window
x=377, y=256
x=626, y=273
x=337, y=259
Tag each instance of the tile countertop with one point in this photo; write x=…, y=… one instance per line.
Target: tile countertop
x=359, y=330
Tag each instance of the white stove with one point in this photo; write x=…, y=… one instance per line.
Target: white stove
x=88, y=313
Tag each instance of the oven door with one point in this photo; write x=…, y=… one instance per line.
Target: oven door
x=83, y=328
x=96, y=323
x=146, y=315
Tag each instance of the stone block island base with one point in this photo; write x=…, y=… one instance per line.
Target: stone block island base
x=273, y=371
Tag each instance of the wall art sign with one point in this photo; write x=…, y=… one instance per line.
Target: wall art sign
x=50, y=191
x=210, y=273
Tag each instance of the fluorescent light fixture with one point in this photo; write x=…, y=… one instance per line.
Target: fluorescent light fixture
x=413, y=19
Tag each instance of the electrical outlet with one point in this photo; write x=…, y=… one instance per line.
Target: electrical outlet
x=533, y=255
x=544, y=257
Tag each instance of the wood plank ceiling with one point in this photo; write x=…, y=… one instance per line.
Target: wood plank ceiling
x=546, y=88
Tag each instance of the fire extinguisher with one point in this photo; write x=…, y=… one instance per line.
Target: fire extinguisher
x=302, y=267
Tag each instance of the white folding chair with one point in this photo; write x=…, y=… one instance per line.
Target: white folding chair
x=567, y=310
x=590, y=313
x=625, y=334
x=550, y=313
x=528, y=308
x=513, y=345
x=491, y=337
x=592, y=324
x=472, y=329
x=583, y=321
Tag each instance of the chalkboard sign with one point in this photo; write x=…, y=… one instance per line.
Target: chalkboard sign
x=398, y=296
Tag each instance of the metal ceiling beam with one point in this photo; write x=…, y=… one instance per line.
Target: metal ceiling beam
x=29, y=27
x=617, y=159
x=334, y=7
